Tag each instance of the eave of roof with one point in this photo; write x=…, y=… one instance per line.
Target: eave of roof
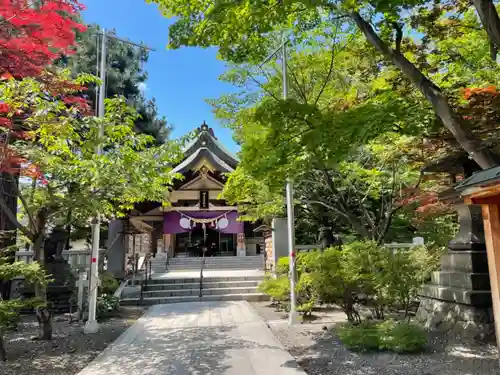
x=190, y=160
x=215, y=141
x=487, y=176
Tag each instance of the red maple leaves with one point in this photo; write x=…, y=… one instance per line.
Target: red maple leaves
x=33, y=36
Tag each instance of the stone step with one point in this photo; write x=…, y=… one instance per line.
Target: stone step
x=225, y=264
x=479, y=298
x=163, y=300
x=217, y=258
x=191, y=280
x=196, y=292
x=208, y=285
x=463, y=280
x=217, y=261
x=215, y=267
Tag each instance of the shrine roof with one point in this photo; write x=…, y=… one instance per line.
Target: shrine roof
x=480, y=178
x=200, y=153
x=205, y=137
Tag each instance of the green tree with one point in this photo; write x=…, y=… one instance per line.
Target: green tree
x=333, y=137
x=247, y=30
x=58, y=150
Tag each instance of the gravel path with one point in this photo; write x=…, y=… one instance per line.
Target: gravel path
x=319, y=352
x=68, y=352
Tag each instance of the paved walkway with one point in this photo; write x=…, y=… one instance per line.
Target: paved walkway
x=200, y=338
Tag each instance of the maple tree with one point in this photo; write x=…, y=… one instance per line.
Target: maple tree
x=55, y=146
x=33, y=35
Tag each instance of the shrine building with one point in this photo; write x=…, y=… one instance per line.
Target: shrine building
x=196, y=220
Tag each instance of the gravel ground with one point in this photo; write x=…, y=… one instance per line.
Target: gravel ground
x=69, y=351
x=319, y=352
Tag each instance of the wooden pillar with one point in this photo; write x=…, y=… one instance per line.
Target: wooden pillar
x=491, y=218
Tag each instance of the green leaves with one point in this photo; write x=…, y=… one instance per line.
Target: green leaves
x=32, y=273
x=60, y=153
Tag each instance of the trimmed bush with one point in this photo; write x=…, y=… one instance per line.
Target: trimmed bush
x=398, y=337
x=109, y=284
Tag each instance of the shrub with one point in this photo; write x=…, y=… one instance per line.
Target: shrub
x=306, y=294
x=109, y=284
x=335, y=283
x=402, y=337
x=283, y=266
x=384, y=277
x=363, y=337
x=107, y=305
x=366, y=263
x=387, y=277
x=399, y=337
x=277, y=288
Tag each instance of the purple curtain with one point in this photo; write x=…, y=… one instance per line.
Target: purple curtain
x=171, y=220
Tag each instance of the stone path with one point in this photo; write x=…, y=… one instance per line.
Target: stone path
x=200, y=338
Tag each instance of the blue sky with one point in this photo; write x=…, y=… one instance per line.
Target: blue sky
x=181, y=79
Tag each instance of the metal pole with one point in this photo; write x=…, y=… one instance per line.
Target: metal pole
x=92, y=326
x=293, y=317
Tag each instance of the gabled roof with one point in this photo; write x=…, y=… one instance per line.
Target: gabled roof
x=200, y=153
x=205, y=138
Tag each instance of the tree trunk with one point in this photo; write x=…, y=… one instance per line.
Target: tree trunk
x=489, y=18
x=43, y=314
x=3, y=354
x=483, y=157
x=8, y=189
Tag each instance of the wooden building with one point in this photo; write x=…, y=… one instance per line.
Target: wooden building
x=196, y=217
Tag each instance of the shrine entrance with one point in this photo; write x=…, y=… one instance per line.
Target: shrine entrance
x=193, y=231
x=191, y=244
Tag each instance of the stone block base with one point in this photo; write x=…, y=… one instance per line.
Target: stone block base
x=457, y=321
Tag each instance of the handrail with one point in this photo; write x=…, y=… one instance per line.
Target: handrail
x=201, y=273
x=147, y=275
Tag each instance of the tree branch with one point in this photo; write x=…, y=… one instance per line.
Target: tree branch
x=301, y=90
x=349, y=217
x=13, y=218
x=469, y=142
x=399, y=36
x=489, y=18
x=329, y=74
x=262, y=87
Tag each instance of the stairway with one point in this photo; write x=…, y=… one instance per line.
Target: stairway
x=254, y=262
x=183, y=289
x=159, y=264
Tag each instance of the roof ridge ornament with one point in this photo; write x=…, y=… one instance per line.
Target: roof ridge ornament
x=204, y=127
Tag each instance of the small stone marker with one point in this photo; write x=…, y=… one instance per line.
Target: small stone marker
x=81, y=284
